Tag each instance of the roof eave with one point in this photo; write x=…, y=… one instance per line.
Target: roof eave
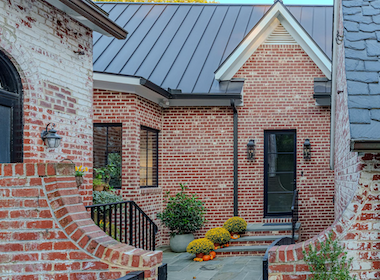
x=90, y=16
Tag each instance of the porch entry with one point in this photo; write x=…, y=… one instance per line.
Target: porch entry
x=280, y=159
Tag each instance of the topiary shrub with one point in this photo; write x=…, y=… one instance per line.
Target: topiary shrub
x=201, y=245
x=218, y=235
x=235, y=224
x=328, y=261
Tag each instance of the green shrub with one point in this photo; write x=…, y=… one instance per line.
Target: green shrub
x=105, y=197
x=235, y=224
x=184, y=213
x=218, y=235
x=328, y=261
x=201, y=245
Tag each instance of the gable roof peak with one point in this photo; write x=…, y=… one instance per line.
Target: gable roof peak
x=277, y=14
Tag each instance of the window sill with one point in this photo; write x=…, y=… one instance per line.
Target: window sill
x=152, y=190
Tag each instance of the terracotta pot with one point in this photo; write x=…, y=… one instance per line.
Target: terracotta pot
x=98, y=188
x=79, y=180
x=199, y=255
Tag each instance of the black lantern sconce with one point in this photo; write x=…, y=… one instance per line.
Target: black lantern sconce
x=50, y=138
x=251, y=149
x=307, y=149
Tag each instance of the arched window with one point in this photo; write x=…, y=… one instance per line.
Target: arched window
x=11, y=116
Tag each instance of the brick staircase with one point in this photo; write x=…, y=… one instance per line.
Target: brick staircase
x=257, y=238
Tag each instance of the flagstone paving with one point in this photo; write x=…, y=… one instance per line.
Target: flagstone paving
x=182, y=267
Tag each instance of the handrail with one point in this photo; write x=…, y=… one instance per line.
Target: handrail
x=294, y=213
x=126, y=222
x=277, y=242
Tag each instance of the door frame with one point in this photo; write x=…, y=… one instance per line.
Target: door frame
x=266, y=133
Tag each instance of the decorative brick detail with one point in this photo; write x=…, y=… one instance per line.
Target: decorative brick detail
x=64, y=240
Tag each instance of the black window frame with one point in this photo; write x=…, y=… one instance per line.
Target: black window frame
x=266, y=164
x=11, y=95
x=107, y=152
x=151, y=130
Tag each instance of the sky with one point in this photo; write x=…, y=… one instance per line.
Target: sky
x=286, y=2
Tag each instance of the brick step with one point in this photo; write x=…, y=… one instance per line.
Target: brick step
x=237, y=249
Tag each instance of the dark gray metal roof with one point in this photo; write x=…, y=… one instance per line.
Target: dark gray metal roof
x=179, y=46
x=362, y=49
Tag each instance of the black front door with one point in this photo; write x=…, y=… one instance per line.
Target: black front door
x=280, y=159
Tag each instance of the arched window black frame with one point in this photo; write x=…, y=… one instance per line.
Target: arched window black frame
x=11, y=112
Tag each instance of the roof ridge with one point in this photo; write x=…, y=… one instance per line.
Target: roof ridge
x=210, y=4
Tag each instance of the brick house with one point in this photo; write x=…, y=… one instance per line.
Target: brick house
x=193, y=84
x=46, y=77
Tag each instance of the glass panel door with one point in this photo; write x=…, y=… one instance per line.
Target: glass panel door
x=280, y=171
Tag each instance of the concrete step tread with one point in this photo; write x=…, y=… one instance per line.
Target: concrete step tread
x=271, y=227
x=262, y=238
x=258, y=248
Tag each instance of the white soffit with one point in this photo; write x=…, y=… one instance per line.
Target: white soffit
x=277, y=15
x=125, y=84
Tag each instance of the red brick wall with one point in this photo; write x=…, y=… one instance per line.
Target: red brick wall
x=46, y=233
x=196, y=143
x=132, y=112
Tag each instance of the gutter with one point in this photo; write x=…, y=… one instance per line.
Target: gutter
x=333, y=86
x=236, y=201
x=365, y=146
x=90, y=15
x=152, y=86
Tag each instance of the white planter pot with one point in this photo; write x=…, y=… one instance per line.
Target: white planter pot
x=179, y=242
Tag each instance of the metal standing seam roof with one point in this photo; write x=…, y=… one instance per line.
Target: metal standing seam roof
x=179, y=46
x=362, y=50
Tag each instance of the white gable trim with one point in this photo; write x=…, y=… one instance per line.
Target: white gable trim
x=276, y=15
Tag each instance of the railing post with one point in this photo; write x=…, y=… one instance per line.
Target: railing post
x=130, y=224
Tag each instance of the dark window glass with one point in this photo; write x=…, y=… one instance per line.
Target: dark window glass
x=107, y=150
x=11, y=121
x=148, y=157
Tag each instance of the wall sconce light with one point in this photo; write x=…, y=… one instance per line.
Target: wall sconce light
x=307, y=149
x=50, y=138
x=251, y=149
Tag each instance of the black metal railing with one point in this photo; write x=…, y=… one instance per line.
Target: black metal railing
x=139, y=275
x=294, y=213
x=277, y=242
x=125, y=222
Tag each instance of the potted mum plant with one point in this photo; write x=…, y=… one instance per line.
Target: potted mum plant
x=202, y=248
x=235, y=226
x=219, y=236
x=183, y=215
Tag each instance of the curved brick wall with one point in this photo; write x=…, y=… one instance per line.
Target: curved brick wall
x=46, y=232
x=358, y=229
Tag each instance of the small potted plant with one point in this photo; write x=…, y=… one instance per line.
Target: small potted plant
x=219, y=236
x=202, y=248
x=79, y=172
x=235, y=226
x=183, y=215
x=102, y=178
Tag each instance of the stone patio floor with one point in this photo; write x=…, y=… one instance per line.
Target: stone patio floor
x=182, y=267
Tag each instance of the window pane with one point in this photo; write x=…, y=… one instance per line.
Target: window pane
x=148, y=157
x=5, y=135
x=107, y=151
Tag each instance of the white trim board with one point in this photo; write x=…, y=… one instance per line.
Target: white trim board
x=276, y=15
x=125, y=84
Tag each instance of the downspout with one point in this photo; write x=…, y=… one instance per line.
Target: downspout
x=236, y=208
x=333, y=84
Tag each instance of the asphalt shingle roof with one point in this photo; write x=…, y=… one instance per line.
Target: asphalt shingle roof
x=180, y=46
x=361, y=20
